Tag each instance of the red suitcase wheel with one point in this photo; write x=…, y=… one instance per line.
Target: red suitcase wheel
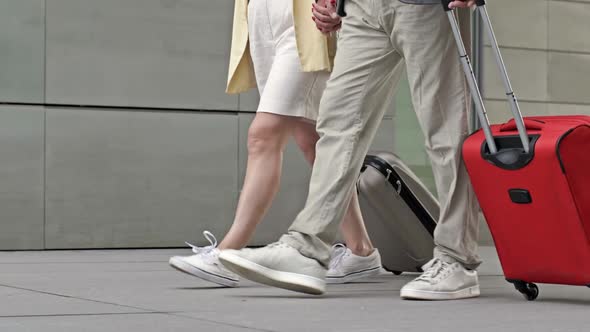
x=528, y=289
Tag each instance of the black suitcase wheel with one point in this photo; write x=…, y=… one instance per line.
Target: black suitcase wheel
x=528, y=289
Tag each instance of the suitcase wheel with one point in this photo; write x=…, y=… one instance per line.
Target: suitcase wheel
x=528, y=289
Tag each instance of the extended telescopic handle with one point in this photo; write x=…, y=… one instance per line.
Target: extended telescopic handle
x=475, y=91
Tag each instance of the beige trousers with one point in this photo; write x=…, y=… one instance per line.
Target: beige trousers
x=376, y=37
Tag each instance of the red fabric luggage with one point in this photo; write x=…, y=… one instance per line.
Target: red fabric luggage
x=532, y=179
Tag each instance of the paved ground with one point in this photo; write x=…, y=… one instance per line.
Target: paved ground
x=135, y=290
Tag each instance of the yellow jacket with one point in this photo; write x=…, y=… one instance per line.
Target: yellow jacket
x=316, y=51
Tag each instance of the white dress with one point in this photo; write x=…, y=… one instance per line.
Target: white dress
x=284, y=88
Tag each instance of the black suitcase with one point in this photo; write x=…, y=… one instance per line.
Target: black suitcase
x=399, y=212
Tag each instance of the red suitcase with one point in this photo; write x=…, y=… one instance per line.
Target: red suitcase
x=532, y=179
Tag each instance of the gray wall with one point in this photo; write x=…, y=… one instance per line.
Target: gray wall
x=115, y=130
x=547, y=51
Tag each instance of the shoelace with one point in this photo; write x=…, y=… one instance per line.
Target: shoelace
x=433, y=271
x=277, y=244
x=338, y=253
x=208, y=249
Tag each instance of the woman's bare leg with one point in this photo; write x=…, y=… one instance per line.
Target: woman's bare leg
x=267, y=137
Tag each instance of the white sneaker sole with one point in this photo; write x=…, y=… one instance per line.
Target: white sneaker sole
x=291, y=281
x=410, y=294
x=353, y=276
x=182, y=266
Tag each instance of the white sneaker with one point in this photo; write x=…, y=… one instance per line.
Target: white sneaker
x=442, y=281
x=346, y=266
x=278, y=265
x=205, y=264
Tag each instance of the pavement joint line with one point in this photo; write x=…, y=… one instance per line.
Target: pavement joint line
x=82, y=272
x=77, y=298
x=86, y=262
x=218, y=322
x=86, y=314
x=170, y=313
x=144, y=310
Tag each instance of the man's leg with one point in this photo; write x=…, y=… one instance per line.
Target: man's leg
x=358, y=93
x=358, y=259
x=441, y=101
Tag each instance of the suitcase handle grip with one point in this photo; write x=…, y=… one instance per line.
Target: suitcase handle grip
x=446, y=3
x=340, y=8
x=472, y=82
x=529, y=124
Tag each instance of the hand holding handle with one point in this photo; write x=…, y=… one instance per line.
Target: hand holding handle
x=446, y=3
